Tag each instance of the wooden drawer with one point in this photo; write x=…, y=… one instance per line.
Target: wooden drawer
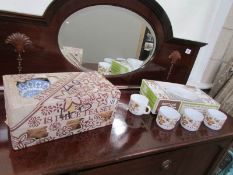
x=161, y=164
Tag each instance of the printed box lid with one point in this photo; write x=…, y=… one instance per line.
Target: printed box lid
x=184, y=93
x=66, y=89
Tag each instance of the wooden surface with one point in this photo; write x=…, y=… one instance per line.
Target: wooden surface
x=127, y=143
x=45, y=56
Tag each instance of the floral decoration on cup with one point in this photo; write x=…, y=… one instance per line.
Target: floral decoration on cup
x=191, y=119
x=138, y=104
x=214, y=119
x=167, y=117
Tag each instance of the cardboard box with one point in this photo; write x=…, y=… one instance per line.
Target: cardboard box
x=72, y=103
x=118, y=67
x=177, y=96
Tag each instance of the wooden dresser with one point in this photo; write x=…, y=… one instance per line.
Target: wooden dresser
x=132, y=145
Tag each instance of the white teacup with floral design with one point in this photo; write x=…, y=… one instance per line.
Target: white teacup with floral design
x=191, y=119
x=167, y=117
x=138, y=104
x=104, y=68
x=214, y=119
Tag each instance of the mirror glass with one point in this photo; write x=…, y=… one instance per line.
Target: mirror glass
x=112, y=40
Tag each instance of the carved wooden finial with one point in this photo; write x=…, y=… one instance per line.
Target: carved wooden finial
x=174, y=57
x=19, y=41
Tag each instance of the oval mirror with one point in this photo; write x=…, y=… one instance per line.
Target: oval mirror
x=112, y=40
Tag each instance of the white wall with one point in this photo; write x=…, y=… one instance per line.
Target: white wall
x=213, y=31
x=191, y=19
x=223, y=50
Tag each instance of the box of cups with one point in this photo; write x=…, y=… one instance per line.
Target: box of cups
x=177, y=96
x=45, y=107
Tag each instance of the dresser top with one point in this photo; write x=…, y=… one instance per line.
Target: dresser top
x=129, y=137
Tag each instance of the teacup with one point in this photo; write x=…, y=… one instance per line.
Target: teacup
x=104, y=68
x=191, y=119
x=167, y=117
x=214, y=119
x=138, y=104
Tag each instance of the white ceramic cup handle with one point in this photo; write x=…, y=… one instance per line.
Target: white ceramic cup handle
x=148, y=109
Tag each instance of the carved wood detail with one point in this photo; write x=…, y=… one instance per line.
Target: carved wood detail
x=19, y=41
x=174, y=57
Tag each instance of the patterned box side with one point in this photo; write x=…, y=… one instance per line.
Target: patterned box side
x=86, y=102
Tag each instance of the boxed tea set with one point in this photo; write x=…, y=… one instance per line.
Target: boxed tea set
x=45, y=107
x=177, y=96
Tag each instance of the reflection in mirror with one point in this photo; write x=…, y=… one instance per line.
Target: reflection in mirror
x=110, y=39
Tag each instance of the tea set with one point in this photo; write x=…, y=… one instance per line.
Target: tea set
x=168, y=117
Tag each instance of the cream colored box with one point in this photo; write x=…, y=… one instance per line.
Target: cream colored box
x=177, y=96
x=73, y=102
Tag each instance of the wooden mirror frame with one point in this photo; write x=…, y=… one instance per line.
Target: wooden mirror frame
x=169, y=62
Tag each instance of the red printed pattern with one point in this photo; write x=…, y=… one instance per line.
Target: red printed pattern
x=83, y=98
